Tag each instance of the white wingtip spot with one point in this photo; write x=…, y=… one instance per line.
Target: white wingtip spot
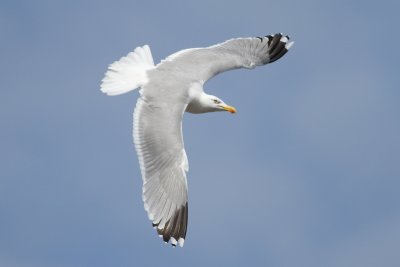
x=181, y=241
x=284, y=39
x=289, y=45
x=173, y=241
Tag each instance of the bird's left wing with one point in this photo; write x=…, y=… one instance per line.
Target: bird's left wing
x=201, y=64
x=163, y=162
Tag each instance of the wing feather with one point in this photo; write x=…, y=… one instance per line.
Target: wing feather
x=159, y=144
x=201, y=64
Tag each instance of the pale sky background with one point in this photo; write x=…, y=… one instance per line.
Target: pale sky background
x=306, y=174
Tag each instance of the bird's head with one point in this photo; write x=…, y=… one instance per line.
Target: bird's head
x=216, y=104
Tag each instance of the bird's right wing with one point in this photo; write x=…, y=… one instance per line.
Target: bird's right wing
x=163, y=162
x=201, y=64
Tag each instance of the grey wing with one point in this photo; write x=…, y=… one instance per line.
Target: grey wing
x=204, y=63
x=163, y=162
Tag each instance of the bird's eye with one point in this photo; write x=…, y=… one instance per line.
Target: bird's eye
x=216, y=101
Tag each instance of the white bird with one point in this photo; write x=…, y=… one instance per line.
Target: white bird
x=167, y=90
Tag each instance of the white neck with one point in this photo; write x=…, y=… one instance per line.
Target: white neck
x=198, y=99
x=199, y=104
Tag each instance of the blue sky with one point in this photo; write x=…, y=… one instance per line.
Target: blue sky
x=306, y=174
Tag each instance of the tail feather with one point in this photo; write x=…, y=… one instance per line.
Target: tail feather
x=128, y=73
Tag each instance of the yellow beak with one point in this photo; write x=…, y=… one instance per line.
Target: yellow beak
x=229, y=108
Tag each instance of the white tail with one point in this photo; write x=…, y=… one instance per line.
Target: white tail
x=128, y=73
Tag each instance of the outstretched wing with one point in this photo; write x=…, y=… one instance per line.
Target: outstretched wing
x=202, y=64
x=163, y=162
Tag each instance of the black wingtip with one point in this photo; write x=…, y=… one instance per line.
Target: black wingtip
x=275, y=41
x=175, y=228
x=278, y=46
x=269, y=39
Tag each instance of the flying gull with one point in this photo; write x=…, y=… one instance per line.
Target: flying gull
x=167, y=90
